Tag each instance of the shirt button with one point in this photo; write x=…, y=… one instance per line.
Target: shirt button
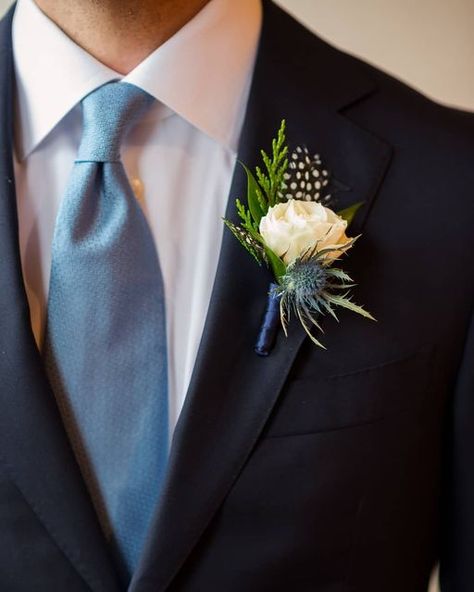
x=138, y=188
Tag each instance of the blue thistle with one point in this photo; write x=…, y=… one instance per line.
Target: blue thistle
x=304, y=279
x=310, y=286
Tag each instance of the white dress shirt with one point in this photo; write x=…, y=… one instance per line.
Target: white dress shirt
x=179, y=158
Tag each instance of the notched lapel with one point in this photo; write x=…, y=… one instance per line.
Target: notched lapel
x=34, y=449
x=233, y=391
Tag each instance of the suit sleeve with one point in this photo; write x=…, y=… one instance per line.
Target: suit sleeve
x=457, y=556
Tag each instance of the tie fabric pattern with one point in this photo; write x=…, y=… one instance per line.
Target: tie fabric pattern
x=105, y=346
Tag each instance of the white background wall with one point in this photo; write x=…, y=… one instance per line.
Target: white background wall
x=427, y=43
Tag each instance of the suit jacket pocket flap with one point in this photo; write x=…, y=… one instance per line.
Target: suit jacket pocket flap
x=362, y=396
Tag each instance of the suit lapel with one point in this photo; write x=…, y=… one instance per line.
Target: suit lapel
x=34, y=448
x=233, y=391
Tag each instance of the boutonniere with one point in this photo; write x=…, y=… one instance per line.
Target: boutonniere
x=288, y=225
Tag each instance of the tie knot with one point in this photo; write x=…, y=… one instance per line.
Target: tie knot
x=108, y=114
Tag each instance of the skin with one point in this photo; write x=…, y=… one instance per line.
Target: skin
x=120, y=33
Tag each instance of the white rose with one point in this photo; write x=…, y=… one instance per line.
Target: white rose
x=291, y=228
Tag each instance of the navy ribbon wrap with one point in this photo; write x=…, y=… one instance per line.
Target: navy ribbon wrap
x=270, y=324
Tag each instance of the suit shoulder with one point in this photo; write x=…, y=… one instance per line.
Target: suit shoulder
x=395, y=97
x=399, y=96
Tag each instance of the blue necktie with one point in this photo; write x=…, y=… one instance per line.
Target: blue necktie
x=105, y=347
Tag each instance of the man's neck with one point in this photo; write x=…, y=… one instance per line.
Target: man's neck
x=120, y=33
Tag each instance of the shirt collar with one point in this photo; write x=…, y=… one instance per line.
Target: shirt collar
x=202, y=73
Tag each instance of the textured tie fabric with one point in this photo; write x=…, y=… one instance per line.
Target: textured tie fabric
x=105, y=346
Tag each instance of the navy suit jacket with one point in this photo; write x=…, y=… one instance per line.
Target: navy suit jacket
x=345, y=470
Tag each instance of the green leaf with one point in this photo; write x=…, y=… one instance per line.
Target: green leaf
x=277, y=264
x=246, y=239
x=327, y=306
x=338, y=274
x=253, y=196
x=333, y=286
x=307, y=328
x=271, y=182
x=343, y=248
x=347, y=303
x=241, y=210
x=348, y=213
